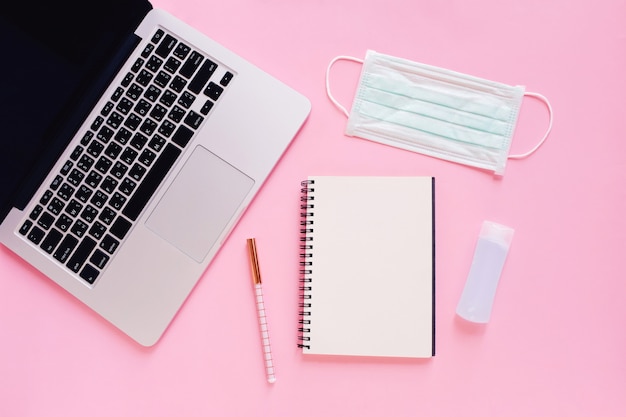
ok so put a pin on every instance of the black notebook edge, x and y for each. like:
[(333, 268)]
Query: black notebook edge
[(433, 267)]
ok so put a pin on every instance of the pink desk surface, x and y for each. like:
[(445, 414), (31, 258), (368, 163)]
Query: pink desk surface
[(556, 344)]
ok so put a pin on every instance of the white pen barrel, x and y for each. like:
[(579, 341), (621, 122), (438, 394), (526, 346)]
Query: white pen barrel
[(265, 336)]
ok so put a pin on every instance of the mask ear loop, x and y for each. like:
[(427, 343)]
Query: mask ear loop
[(328, 93), (547, 103)]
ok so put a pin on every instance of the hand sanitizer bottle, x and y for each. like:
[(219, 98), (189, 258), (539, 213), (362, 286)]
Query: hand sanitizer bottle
[(491, 250)]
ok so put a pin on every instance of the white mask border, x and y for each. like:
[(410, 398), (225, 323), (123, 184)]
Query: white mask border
[(529, 94)]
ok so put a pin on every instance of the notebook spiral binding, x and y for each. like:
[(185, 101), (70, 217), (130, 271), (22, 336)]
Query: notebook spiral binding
[(306, 261)]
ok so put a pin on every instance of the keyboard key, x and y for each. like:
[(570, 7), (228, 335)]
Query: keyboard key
[(113, 150), (99, 259), (63, 223), (137, 172), (178, 84), (36, 235), (107, 216), (99, 199), (166, 46), (104, 164), (93, 179), (97, 230), (109, 244), (56, 182), (182, 51), (193, 120), (152, 93), (191, 64), (73, 208), (202, 76), (81, 253), (65, 191), (158, 112), (143, 107), (137, 65), (83, 193), (89, 214), (133, 121), (109, 184), (171, 65), (36, 212), (147, 157), (124, 106), (158, 35), (144, 77), (128, 79), (97, 123), (89, 274), (208, 105), (167, 128), (117, 201), (213, 91), (177, 114), (186, 99), (67, 167), (134, 92), (26, 227), (151, 182), (117, 94), (182, 136), (226, 79), (105, 133), (168, 98), (123, 135), (148, 127), (76, 153), (85, 163), (51, 241), (56, 206), (157, 143), (162, 79), (128, 156), (118, 170), (127, 186), (107, 109), (120, 227), (46, 197), (95, 148), (45, 221), (75, 177), (65, 248), (154, 63), (79, 228)]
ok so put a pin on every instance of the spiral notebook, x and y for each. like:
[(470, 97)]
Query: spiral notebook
[(367, 266)]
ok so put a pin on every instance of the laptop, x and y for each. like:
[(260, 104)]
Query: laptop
[(132, 144)]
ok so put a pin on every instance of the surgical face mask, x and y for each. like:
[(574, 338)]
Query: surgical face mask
[(434, 111)]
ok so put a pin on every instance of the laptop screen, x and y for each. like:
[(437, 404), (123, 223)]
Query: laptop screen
[(58, 58)]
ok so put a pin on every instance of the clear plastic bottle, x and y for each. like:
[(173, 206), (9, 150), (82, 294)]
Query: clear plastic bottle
[(491, 251)]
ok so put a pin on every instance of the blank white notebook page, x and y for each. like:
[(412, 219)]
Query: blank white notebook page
[(371, 289)]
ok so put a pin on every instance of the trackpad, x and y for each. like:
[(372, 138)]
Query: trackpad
[(199, 203)]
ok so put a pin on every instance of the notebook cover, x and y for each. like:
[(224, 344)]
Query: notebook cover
[(368, 266)]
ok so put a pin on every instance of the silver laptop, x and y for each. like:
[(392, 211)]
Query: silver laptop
[(124, 171)]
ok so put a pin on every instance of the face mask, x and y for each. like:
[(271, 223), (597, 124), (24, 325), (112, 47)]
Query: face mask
[(434, 111)]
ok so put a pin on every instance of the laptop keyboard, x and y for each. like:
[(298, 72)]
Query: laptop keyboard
[(102, 188)]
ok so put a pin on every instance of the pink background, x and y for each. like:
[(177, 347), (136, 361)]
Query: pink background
[(556, 344)]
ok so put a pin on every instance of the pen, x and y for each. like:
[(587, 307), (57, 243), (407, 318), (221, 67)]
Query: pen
[(265, 336)]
